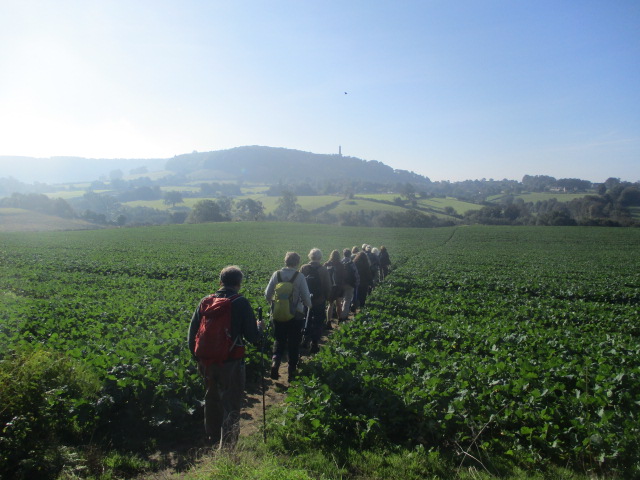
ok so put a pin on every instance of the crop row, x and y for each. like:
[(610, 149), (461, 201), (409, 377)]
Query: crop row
[(493, 343)]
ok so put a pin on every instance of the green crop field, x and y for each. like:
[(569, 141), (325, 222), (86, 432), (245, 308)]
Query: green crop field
[(494, 346)]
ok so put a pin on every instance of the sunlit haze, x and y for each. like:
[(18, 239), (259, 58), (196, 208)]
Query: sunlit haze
[(450, 90)]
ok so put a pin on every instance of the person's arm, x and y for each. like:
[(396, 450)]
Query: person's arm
[(271, 287), (248, 321), (303, 290), (193, 330)]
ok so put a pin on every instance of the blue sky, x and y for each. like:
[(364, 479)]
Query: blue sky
[(450, 90)]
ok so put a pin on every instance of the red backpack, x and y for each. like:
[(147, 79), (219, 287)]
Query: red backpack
[(214, 343)]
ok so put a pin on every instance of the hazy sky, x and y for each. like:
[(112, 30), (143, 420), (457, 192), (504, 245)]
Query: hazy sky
[(452, 90)]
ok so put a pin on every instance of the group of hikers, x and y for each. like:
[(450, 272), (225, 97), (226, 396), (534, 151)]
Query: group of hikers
[(303, 300)]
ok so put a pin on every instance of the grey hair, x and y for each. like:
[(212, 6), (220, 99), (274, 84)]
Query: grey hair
[(315, 255)]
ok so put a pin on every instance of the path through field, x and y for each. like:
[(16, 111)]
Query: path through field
[(187, 448), (252, 418)]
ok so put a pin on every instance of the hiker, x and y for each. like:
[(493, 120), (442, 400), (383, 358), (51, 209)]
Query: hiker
[(385, 262), (222, 364), (374, 264), (364, 270), (376, 272), (351, 281), (287, 332), (320, 289), (336, 275)]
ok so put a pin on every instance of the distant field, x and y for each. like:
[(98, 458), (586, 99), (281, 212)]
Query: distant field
[(181, 188), (319, 201), (248, 189), (160, 205), (359, 204), (19, 220), (387, 197), (152, 175), (436, 204), (69, 194), (540, 197), (314, 202), (441, 203)]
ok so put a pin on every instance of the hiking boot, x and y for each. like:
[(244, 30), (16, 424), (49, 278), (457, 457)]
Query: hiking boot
[(292, 375), (275, 366), (329, 326), (314, 347)]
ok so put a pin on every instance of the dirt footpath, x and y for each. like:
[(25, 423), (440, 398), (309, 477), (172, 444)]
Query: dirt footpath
[(251, 417)]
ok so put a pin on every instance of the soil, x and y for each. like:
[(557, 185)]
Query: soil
[(252, 418)]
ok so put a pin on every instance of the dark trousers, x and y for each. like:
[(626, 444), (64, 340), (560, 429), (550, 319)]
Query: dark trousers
[(222, 401), (363, 291), (287, 337), (317, 321)]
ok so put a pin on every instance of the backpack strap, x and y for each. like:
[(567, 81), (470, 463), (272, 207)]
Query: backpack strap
[(279, 277)]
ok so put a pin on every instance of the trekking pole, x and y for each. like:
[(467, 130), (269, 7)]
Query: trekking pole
[(354, 302), (264, 405), (305, 329)]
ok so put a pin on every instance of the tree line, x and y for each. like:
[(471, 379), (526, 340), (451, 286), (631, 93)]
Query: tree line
[(610, 203), (612, 206)]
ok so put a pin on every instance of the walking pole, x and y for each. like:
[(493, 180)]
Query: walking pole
[(305, 328), (264, 405)]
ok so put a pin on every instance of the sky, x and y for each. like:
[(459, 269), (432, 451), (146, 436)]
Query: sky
[(450, 90)]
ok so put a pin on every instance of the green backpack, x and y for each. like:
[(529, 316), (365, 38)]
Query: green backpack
[(283, 308)]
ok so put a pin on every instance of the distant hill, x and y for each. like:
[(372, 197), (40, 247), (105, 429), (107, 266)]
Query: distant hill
[(69, 169), (272, 165), (251, 163)]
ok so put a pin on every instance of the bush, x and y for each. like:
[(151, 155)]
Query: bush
[(46, 402)]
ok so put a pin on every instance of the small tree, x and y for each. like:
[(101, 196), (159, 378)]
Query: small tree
[(287, 204), (449, 210), (205, 211), (249, 209), (173, 197)]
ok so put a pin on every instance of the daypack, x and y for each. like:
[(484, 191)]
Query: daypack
[(214, 343), (283, 307), (314, 284), (332, 275), (350, 277)]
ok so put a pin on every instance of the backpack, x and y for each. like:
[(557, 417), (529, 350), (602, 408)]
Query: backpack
[(315, 285), (332, 275), (283, 308), (213, 340), (350, 273)]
